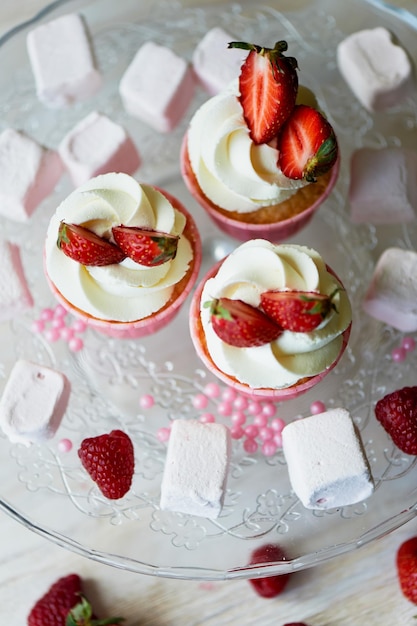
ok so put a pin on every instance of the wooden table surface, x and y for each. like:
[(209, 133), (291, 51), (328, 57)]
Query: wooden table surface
[(358, 589)]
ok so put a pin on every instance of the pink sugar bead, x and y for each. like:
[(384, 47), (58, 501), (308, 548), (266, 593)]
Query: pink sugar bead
[(269, 448), (225, 408), (278, 424), (399, 355), (66, 333), (79, 326), (269, 409), (251, 431), (317, 407), (229, 394), (408, 343), (47, 314), (236, 432), (147, 401), (38, 326), (52, 334), (266, 434), (64, 445), (260, 420), (254, 408), (212, 390), (278, 440), (238, 418), (250, 445), (75, 344), (240, 403), (58, 322), (60, 311), (207, 418), (162, 434), (200, 401)]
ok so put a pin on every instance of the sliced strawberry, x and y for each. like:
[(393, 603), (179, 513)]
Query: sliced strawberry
[(85, 247), (307, 144), (146, 246), (268, 86), (397, 413), (298, 311), (241, 325), (271, 586)]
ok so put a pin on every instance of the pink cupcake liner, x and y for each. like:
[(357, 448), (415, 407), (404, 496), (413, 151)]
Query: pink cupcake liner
[(288, 393), (243, 231)]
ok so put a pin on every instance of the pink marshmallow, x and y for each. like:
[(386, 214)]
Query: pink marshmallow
[(214, 64), (15, 296), (33, 403), (392, 294), (28, 174), (383, 185), (376, 68), (157, 87), (62, 61), (97, 145)]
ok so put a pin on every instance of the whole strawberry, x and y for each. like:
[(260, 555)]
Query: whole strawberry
[(82, 245), (64, 605), (307, 144), (241, 325), (407, 568), (297, 311), (271, 586), (268, 85), (109, 460), (397, 413)]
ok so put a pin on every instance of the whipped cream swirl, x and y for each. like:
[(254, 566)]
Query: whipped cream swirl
[(233, 172), (126, 291), (258, 266)]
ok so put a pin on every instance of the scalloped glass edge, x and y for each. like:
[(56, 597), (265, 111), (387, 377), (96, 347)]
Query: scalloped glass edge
[(208, 574)]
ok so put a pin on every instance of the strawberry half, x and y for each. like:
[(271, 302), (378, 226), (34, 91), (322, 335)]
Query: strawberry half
[(85, 247), (307, 144), (397, 413), (109, 460), (241, 325), (268, 85), (407, 568), (271, 586), (298, 311), (146, 246)]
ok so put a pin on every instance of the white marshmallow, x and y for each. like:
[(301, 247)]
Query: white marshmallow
[(214, 64), (383, 185), (196, 468), (62, 61), (33, 403), (157, 87), (326, 462), (15, 296), (377, 70), (28, 174), (392, 293), (97, 145)]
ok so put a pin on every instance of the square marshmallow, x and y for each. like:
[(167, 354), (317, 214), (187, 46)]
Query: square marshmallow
[(383, 185), (392, 293), (62, 61), (33, 403), (28, 174), (326, 462), (15, 296), (376, 68), (157, 87), (214, 64), (196, 468), (97, 145)]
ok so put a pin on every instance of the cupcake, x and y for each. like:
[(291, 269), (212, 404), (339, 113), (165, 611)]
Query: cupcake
[(121, 255), (259, 156), (270, 320)]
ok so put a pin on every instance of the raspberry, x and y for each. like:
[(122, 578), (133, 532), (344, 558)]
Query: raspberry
[(397, 413)]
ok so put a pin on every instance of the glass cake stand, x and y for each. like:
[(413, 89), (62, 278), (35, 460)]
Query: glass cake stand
[(141, 386)]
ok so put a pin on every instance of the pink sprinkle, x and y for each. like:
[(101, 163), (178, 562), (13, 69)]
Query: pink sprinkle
[(251, 431), (317, 407), (269, 448), (212, 390), (278, 424), (60, 311), (269, 409), (278, 440), (52, 334), (64, 445), (229, 394), (147, 401), (408, 343), (207, 418), (79, 326), (250, 445), (254, 408), (47, 314), (266, 434), (66, 333), (236, 432), (38, 326), (58, 322), (241, 403), (162, 434), (260, 420), (200, 401), (75, 344), (225, 408), (238, 418), (399, 355)]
